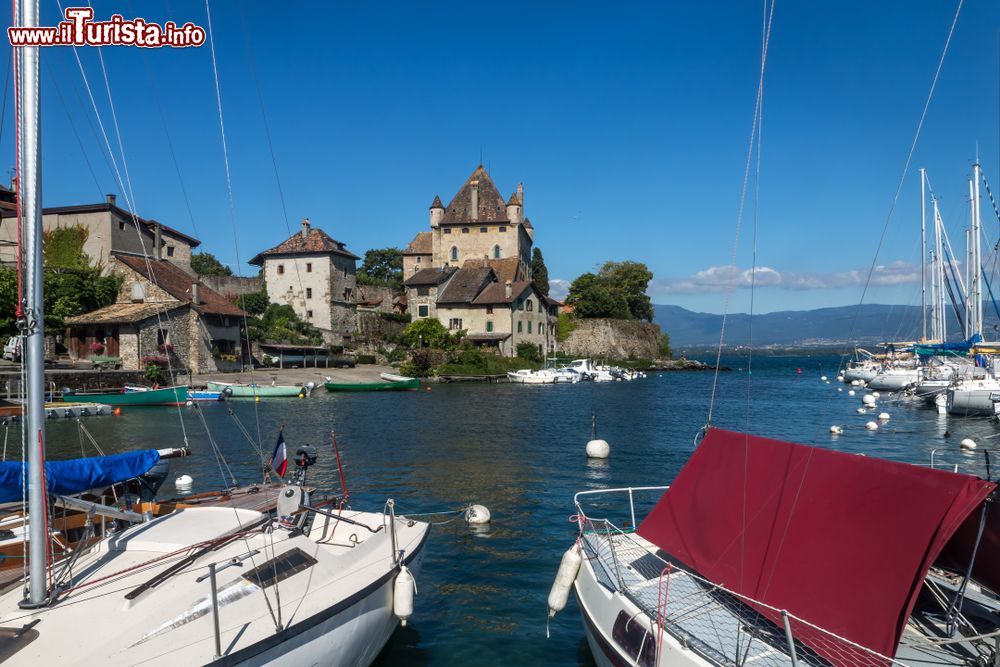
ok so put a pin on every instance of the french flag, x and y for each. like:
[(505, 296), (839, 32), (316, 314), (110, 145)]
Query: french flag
[(279, 460)]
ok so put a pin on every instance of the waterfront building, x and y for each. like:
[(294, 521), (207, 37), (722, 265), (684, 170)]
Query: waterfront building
[(162, 316), (315, 275)]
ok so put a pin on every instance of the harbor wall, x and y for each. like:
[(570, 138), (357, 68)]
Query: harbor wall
[(612, 339)]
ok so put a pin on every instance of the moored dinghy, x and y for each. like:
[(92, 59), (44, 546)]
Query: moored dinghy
[(390, 382), (241, 390), (131, 396)]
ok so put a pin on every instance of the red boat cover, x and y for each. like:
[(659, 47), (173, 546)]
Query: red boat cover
[(842, 541)]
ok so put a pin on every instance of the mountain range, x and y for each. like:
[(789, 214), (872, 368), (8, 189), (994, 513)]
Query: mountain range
[(863, 325)]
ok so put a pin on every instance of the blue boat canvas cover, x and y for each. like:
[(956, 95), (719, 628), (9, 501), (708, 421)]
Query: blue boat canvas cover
[(77, 475)]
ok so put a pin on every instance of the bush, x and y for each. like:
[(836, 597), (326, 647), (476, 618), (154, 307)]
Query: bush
[(419, 365), (336, 349), (152, 373), (427, 333), (565, 326), (404, 318), (366, 359), (395, 355), (664, 347), (529, 352)]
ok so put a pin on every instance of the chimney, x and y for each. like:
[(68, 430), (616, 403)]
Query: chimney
[(474, 208), (110, 199), (305, 228), (159, 239), (507, 289), (194, 294), (520, 195)]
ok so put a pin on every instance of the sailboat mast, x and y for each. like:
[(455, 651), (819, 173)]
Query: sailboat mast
[(923, 255), (30, 196), (977, 266)]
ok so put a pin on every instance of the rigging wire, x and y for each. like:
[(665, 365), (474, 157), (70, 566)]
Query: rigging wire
[(72, 126)]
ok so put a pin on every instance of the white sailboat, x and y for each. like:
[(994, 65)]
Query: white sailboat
[(207, 585)]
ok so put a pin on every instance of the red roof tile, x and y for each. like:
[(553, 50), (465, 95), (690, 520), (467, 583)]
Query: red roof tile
[(316, 241), (422, 244), (177, 283)]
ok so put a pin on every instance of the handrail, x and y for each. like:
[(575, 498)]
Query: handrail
[(626, 489)]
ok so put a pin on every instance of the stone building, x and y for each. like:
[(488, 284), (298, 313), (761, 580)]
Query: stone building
[(112, 230), (472, 272), (164, 316), (316, 276)]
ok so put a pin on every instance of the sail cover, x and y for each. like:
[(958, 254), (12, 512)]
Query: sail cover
[(842, 541), (78, 475)]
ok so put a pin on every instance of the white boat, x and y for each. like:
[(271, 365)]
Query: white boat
[(894, 379), (526, 376), (588, 371), (206, 585), (974, 397), (392, 377)]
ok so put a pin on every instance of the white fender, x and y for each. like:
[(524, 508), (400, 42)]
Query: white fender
[(403, 591), (569, 567)]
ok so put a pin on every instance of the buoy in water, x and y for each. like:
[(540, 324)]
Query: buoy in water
[(184, 483), (855, 383), (861, 411), (569, 567), (836, 430), (822, 378), (883, 416), (871, 426), (402, 595), (598, 449), (118, 412), (477, 515), (967, 443), (875, 394), (851, 392), (868, 400), (840, 378), (840, 389)]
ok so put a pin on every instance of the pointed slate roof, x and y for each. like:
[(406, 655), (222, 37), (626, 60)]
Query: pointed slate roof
[(491, 203), (422, 244), (514, 199), (437, 202), (316, 241), (527, 224)]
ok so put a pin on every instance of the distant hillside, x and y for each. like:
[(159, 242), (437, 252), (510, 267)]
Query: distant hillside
[(824, 326)]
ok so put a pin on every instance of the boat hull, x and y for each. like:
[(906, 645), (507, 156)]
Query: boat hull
[(165, 396), (893, 381), (408, 385), (253, 391), (972, 402)]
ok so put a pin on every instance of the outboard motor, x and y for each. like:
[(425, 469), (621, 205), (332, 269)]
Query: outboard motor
[(305, 456)]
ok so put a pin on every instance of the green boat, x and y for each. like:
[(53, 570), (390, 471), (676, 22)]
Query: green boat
[(237, 390), (390, 383), (132, 396)]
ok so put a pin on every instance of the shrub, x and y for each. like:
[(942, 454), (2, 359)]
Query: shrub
[(427, 333), (404, 318), (664, 347), (152, 373), (529, 352), (419, 365), (366, 359), (565, 326)]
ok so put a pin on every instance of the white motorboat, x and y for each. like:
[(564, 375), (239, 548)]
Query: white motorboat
[(527, 376), (894, 379), (973, 397)]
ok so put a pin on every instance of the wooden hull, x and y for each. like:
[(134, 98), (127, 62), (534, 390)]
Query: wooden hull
[(165, 396), (408, 385)]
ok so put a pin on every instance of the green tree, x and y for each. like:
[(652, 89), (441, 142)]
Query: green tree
[(382, 266), (632, 278), (617, 291), (539, 274), (207, 264), (428, 332), (254, 303), (529, 352), (664, 347)]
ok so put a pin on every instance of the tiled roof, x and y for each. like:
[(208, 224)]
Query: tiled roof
[(316, 241), (527, 224), (497, 293), (491, 204), (108, 206), (508, 268), (514, 199), (437, 202), (466, 284), (422, 244), (122, 313), (426, 277), (177, 283)]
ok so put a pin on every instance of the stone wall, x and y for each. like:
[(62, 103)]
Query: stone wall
[(368, 293), (76, 380), (373, 327), (232, 286), (612, 339)]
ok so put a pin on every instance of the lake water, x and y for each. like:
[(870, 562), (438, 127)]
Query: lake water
[(519, 450)]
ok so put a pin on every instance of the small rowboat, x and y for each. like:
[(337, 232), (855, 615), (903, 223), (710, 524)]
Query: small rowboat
[(132, 396), (237, 390), (390, 383), (205, 396)]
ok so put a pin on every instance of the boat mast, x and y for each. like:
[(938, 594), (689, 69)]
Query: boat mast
[(33, 326), (923, 256), (977, 265)]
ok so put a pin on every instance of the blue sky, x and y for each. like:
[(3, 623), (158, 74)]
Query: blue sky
[(627, 123)]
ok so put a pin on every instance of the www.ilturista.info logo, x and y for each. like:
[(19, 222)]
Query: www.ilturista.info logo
[(79, 29)]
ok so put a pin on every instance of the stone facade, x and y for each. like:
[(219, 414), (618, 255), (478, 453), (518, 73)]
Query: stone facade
[(613, 339), (317, 277), (111, 230), (232, 287)]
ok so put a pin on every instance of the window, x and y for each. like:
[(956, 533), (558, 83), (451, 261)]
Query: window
[(634, 639), (282, 567), (162, 337), (423, 291), (489, 310), (518, 327), (309, 267), (530, 305), (454, 253), (465, 230), (520, 305), (503, 229), (447, 230), (418, 259), (455, 323), (483, 230), (281, 269), (309, 292), (496, 252), (309, 314), (489, 326), (170, 251), (421, 311), (529, 326), (121, 225), (348, 294), (541, 327)]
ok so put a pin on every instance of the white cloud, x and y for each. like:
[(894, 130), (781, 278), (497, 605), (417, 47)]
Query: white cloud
[(718, 278), (558, 288)]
